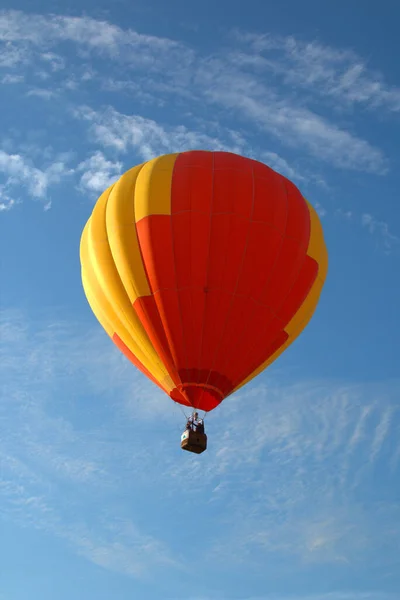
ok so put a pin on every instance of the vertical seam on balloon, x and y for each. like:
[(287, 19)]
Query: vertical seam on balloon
[(230, 215), (191, 287), (285, 298), (246, 324), (176, 287), (207, 272), (236, 285)]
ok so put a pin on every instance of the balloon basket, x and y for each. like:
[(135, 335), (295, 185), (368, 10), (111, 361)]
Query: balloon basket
[(192, 441)]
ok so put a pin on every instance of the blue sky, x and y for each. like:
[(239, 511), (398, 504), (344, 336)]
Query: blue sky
[(298, 495)]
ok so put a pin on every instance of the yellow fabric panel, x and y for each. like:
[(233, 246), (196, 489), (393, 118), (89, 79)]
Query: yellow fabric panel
[(90, 287), (316, 247), (96, 297), (122, 235), (316, 250), (153, 187), (107, 297)]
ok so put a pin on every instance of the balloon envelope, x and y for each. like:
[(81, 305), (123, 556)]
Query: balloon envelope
[(203, 267)]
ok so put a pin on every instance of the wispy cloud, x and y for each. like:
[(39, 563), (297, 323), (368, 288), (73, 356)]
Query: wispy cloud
[(315, 442), (244, 84), (381, 432), (45, 459), (328, 71), (11, 79), (35, 32), (121, 132), (283, 474), (385, 239), (380, 228), (294, 125), (19, 173), (113, 544), (42, 93), (7, 202), (359, 429), (98, 173), (11, 56), (338, 74)]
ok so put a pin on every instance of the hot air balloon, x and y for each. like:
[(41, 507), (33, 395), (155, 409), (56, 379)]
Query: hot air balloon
[(203, 267)]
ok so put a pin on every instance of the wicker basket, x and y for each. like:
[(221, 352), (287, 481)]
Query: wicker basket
[(192, 441)]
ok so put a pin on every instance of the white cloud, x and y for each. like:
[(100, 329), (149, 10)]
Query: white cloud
[(56, 62), (381, 432), (11, 79), (294, 126), (121, 132), (359, 430), (334, 73), (7, 202), (386, 240), (322, 212), (35, 31), (344, 214), (12, 56), (325, 70), (120, 547), (42, 93), (282, 166), (20, 173), (149, 139), (380, 228), (98, 173)]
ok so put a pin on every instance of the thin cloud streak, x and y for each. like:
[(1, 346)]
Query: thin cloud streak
[(293, 126), (332, 73), (380, 228), (386, 240), (36, 32)]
